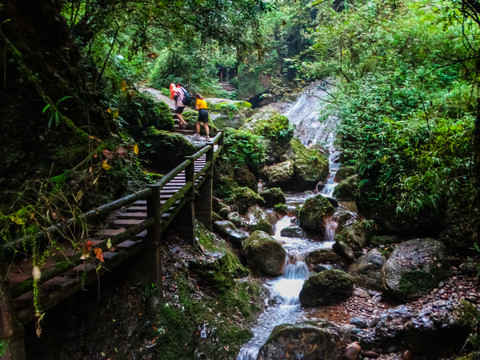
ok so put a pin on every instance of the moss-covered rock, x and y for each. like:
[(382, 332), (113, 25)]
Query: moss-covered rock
[(346, 189), (414, 268), (245, 197), (157, 143), (353, 238), (313, 213), (273, 196), (344, 172), (310, 165), (142, 112), (263, 253), (280, 174)]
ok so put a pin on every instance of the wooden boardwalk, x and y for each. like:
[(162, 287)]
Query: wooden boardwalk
[(136, 223)]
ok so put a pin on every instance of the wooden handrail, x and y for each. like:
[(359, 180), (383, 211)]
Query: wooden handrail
[(103, 210)]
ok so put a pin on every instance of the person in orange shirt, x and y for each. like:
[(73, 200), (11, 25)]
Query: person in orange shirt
[(201, 106)]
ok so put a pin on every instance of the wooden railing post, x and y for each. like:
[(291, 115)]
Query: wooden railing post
[(184, 223), (203, 203), (154, 238)]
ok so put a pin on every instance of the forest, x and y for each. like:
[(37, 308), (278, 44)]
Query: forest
[(78, 130)]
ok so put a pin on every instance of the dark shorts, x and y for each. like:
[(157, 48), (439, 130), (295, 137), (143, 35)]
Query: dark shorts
[(203, 115), (179, 109)]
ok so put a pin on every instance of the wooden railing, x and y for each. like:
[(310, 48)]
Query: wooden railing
[(162, 202)]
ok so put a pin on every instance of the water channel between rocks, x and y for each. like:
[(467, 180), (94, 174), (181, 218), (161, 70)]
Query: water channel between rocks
[(284, 290)]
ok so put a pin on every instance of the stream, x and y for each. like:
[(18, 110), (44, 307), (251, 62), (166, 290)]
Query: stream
[(284, 290)]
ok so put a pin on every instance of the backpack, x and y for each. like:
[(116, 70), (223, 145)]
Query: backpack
[(187, 98)]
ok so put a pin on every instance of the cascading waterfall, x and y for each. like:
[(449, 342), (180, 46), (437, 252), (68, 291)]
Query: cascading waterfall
[(284, 290)]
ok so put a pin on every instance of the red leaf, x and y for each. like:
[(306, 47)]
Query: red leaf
[(99, 254)]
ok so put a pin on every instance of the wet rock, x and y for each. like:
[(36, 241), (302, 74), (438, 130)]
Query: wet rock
[(344, 217), (314, 212), (367, 269), (360, 322), (263, 253), (259, 219), (322, 256), (322, 341), (414, 268), (327, 287), (229, 230), (236, 219), (353, 350), (293, 231)]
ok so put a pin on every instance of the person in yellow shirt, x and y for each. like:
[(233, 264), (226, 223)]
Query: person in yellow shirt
[(201, 106)]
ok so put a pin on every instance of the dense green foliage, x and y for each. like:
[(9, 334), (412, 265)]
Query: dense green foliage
[(405, 98), (243, 148)]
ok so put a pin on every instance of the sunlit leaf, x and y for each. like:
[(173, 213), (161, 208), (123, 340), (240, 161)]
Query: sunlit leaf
[(79, 195), (124, 85), (17, 220), (135, 149), (105, 165), (109, 243)]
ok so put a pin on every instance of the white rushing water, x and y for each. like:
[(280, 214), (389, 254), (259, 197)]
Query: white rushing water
[(284, 290)]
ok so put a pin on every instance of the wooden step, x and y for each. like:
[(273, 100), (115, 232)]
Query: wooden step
[(132, 215), (120, 223)]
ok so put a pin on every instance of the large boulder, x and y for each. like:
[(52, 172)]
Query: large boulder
[(263, 253), (303, 341), (279, 174), (414, 268), (429, 330), (313, 213), (326, 288), (367, 269), (346, 189), (276, 132)]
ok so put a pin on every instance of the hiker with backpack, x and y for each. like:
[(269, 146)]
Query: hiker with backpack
[(182, 98), (201, 106)]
